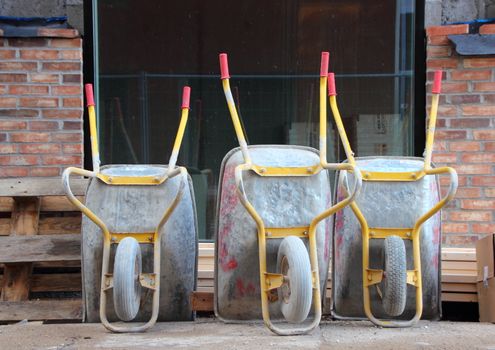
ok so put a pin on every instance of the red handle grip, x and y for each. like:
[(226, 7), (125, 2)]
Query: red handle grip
[(437, 82), (224, 66), (324, 64), (332, 91), (186, 96), (90, 101)]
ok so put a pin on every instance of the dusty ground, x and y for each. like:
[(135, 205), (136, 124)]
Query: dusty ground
[(212, 334)]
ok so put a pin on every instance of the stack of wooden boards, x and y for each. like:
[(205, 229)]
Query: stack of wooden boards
[(40, 271)]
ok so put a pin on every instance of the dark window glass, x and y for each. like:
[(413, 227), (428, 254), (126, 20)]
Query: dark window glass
[(148, 49)]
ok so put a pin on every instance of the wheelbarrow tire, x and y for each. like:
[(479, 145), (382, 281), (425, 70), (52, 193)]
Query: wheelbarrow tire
[(395, 280), (126, 285), (296, 295)]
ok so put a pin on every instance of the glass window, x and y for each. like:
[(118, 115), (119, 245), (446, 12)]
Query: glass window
[(148, 49)]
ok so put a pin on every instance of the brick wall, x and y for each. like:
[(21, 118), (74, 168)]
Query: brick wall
[(40, 103), (465, 136)]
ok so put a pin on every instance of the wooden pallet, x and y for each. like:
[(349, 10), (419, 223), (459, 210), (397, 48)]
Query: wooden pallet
[(39, 250)]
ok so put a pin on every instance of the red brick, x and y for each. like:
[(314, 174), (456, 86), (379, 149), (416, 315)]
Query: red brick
[(76, 148), (454, 87), (440, 146), (13, 171), (28, 42), (43, 125), (18, 66), (451, 227), (39, 54), (438, 51), (13, 78), (489, 192), (8, 148), (28, 90), (438, 40), (44, 171), (478, 158), (483, 204), (40, 102), (63, 113), (62, 66), (3, 137), (12, 125), (445, 180), (71, 54), (72, 102), (62, 160), (478, 169), (484, 87), (67, 137), (72, 78), (58, 33), (441, 63), (489, 146), (483, 180), (441, 123), (67, 90), (484, 134), (466, 215), (3, 89), (19, 113), (468, 192), (447, 29), (30, 137), (471, 75), (447, 111), (489, 98), (479, 62), (461, 241), (37, 148), (7, 54), (72, 126), (451, 134), (470, 123), (66, 42), (483, 228), (444, 157), (8, 102), (487, 29), (44, 78), (462, 99), (19, 160)]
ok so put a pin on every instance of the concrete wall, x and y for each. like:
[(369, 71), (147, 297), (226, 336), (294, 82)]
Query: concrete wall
[(439, 12), (73, 9)]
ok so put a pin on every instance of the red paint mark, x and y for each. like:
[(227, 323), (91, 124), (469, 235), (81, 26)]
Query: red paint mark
[(434, 260), (250, 289), (239, 285), (232, 264)]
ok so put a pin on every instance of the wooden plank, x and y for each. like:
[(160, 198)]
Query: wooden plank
[(6, 204), (459, 265), (459, 278), (58, 203), (40, 248), (458, 254), (57, 264), (28, 186), (5, 226), (460, 297), (57, 282), (25, 217), (202, 301), (60, 225), (459, 287), (41, 310)]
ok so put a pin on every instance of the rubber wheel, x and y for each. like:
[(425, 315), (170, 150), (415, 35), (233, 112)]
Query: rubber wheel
[(295, 294), (126, 285), (394, 285)]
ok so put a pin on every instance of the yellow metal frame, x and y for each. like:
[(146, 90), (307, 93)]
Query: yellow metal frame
[(270, 281), (147, 280), (373, 276)]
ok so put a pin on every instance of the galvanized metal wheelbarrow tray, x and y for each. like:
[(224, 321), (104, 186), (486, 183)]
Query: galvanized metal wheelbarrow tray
[(386, 264), (274, 205), (150, 208)]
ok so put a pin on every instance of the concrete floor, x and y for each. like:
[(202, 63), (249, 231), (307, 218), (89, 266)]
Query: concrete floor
[(207, 333)]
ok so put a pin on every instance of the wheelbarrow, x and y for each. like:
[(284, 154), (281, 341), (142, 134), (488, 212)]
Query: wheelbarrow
[(273, 230), (143, 218), (387, 243)]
